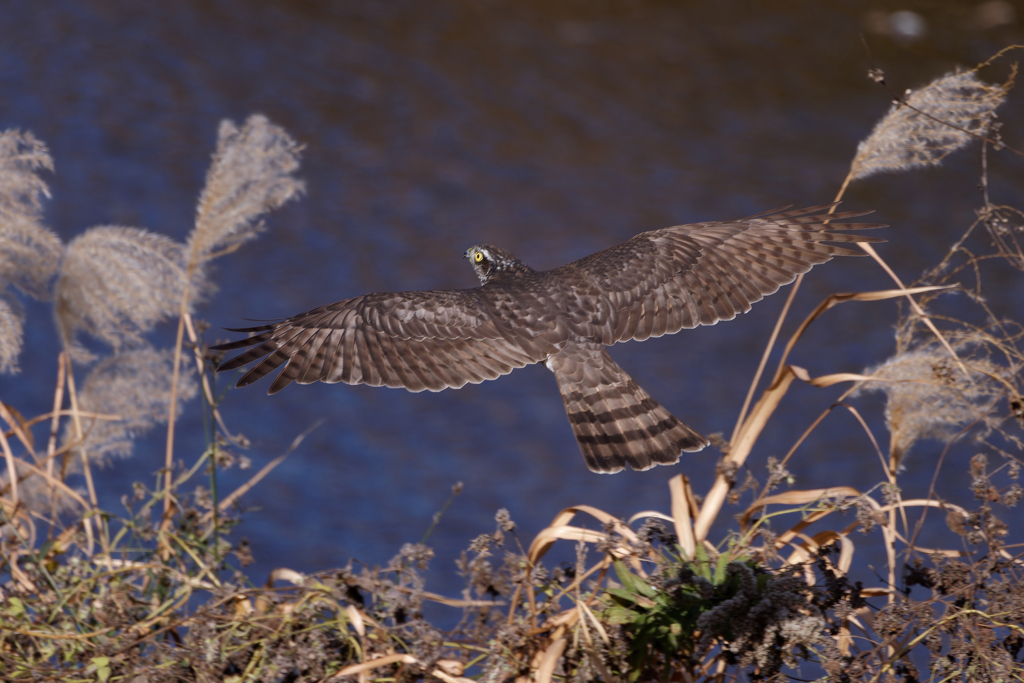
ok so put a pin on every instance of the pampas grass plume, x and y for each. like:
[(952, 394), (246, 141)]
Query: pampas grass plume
[(251, 174), (29, 253), (11, 334), (942, 117), (928, 397), (134, 385), (116, 283)]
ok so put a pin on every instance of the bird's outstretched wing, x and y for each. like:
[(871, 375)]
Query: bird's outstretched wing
[(662, 281), (416, 340)]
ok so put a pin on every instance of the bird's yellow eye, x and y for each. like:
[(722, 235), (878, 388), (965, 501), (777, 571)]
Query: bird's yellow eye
[(478, 257)]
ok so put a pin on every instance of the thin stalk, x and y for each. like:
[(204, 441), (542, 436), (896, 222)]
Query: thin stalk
[(51, 445), (764, 357), (172, 409), (210, 419), (775, 332), (211, 397), (79, 437), (12, 469), (869, 250), (211, 437), (58, 401), (437, 516), (76, 420)]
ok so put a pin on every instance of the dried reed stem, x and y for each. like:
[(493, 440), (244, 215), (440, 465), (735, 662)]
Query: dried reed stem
[(12, 470), (764, 356), (251, 174), (57, 484), (205, 380), (8, 454), (79, 434), (890, 474), (869, 250), (43, 417), (748, 434), (739, 450), (17, 430), (679, 487), (775, 332), (172, 409), (58, 401)]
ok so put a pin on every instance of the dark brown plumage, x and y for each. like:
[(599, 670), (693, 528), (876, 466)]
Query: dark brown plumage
[(656, 283)]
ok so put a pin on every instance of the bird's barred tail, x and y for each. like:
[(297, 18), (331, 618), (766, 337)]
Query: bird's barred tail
[(616, 423)]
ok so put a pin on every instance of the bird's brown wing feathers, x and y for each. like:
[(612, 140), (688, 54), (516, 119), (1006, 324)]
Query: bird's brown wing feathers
[(662, 281), (417, 340)]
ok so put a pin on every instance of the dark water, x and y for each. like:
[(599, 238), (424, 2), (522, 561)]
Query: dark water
[(551, 129)]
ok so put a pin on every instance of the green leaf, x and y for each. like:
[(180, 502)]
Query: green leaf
[(619, 615), (102, 665), (17, 607), (633, 582), (625, 578), (701, 563), (623, 596), (723, 562)]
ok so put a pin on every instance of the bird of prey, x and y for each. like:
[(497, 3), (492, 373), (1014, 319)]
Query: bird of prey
[(656, 283)]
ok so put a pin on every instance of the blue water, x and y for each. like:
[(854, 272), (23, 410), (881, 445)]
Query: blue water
[(552, 131)]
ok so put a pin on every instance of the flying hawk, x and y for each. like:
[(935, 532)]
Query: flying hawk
[(656, 283)]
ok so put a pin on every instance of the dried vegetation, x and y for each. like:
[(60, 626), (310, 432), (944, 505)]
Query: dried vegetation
[(157, 592)]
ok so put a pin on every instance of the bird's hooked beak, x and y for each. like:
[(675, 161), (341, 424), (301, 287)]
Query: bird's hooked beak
[(466, 254)]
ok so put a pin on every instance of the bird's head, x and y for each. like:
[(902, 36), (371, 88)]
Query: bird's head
[(491, 262)]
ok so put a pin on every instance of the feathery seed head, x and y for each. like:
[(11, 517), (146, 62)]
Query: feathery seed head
[(21, 156), (29, 254), (11, 333), (136, 387), (116, 283), (28, 251), (941, 118), (930, 397), (251, 173)]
